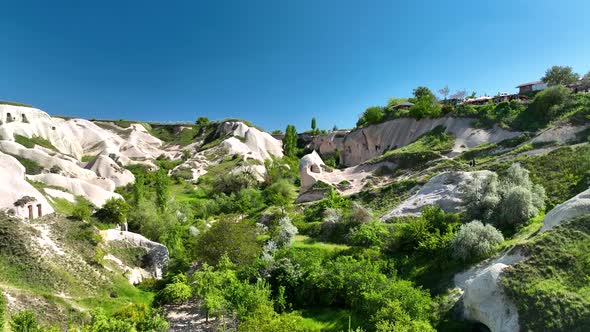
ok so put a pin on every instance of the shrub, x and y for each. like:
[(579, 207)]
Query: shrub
[(475, 240), (114, 211), (550, 102), (280, 193), (368, 235), (24, 321), (176, 292), (286, 233), (81, 210), (372, 115)]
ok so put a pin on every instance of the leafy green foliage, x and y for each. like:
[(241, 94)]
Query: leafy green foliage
[(425, 104), (290, 141), (372, 115), (177, 291), (237, 240), (475, 240), (553, 280), (24, 321), (202, 121), (281, 193), (560, 75), (114, 211)]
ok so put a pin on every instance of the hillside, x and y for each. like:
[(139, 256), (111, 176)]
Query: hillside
[(466, 220)]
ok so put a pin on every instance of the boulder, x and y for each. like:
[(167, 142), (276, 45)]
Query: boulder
[(13, 187), (310, 169), (157, 256), (574, 207), (484, 301), (442, 190)]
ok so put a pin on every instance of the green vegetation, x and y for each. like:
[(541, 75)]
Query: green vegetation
[(2, 310), (560, 75), (554, 280), (31, 166), (35, 140), (475, 240), (290, 141)]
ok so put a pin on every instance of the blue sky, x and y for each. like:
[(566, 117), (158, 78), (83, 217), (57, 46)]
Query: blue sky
[(275, 62)]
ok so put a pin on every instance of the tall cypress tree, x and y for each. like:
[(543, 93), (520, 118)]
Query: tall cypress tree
[(290, 141)]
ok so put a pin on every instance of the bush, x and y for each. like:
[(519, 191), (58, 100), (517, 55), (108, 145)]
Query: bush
[(475, 240), (81, 210), (24, 321), (286, 233), (372, 115), (549, 103), (114, 211), (368, 235), (176, 292)]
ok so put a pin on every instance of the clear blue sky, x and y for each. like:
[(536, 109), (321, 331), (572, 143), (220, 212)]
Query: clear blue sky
[(275, 62)]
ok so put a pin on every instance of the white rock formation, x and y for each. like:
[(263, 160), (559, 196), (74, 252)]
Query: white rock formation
[(54, 193), (559, 134), (484, 301), (121, 144), (329, 143), (311, 167), (29, 122), (255, 144), (442, 190), (157, 254), (94, 191), (104, 166), (576, 206), (363, 144), (13, 186)]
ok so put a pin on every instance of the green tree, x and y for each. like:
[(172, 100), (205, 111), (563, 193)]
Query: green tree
[(560, 75), (281, 193), (237, 240), (139, 188), (313, 124), (177, 291), (475, 240), (372, 115), (114, 211), (202, 121), (549, 103), (290, 141), (81, 210), (210, 286), (425, 104), (162, 185)]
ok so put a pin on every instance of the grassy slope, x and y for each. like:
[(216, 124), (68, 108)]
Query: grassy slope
[(61, 288), (552, 288)]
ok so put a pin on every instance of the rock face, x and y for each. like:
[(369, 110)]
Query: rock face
[(329, 143), (104, 166), (29, 122), (484, 301), (13, 187), (157, 256), (442, 190), (574, 207), (94, 191), (363, 144), (121, 144), (254, 143), (310, 169)]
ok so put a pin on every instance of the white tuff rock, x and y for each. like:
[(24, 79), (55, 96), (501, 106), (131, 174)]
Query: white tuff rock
[(13, 187), (576, 206), (442, 190)]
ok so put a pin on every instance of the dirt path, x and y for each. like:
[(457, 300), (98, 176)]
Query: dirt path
[(189, 317)]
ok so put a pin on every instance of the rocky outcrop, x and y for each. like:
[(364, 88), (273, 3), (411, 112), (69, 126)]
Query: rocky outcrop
[(157, 255), (442, 190), (365, 143), (483, 297), (252, 143), (29, 122), (104, 166), (329, 143), (484, 301), (13, 187), (574, 207), (96, 191), (123, 145), (311, 167)]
